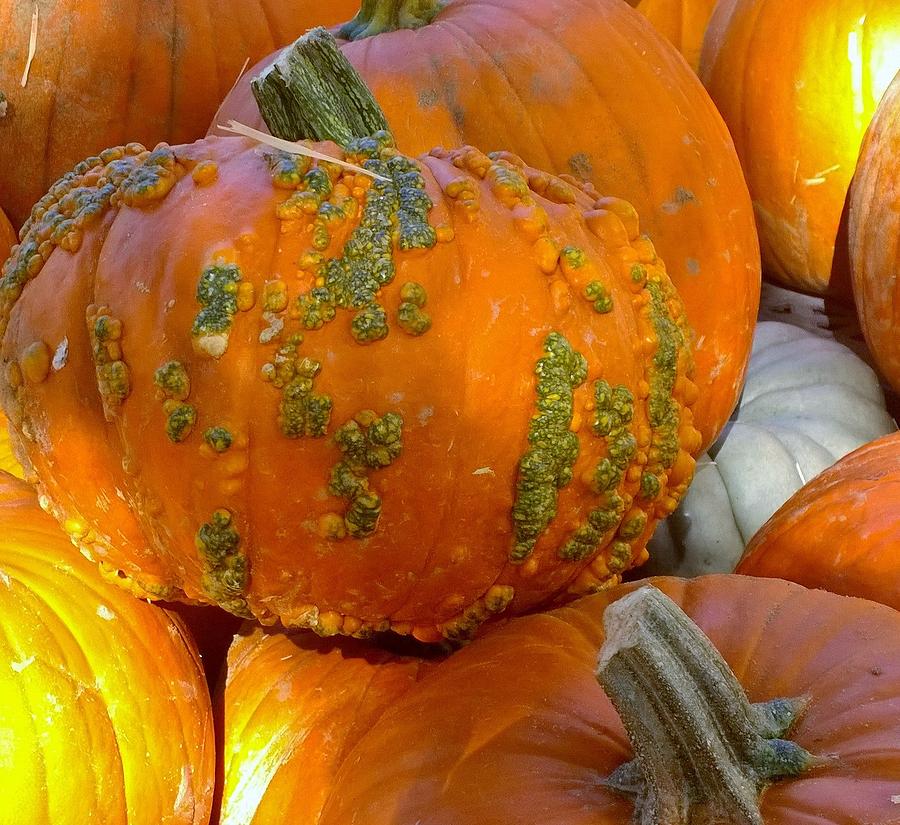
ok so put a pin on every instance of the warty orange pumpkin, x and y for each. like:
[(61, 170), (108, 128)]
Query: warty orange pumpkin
[(584, 88), (840, 531), (515, 728), (875, 234), (104, 73), (408, 402), (797, 85), (105, 713)]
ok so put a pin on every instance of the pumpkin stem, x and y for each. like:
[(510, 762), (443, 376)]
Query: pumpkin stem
[(311, 92), (703, 753), (379, 16)]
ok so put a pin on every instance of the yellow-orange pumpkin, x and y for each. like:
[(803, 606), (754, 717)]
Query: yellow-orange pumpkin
[(343, 403), (682, 22), (104, 713), (104, 73), (585, 88), (797, 84), (875, 235)]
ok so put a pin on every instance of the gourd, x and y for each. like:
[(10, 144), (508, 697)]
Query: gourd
[(875, 234), (584, 88), (105, 713), (515, 727), (682, 22), (807, 402), (410, 402), (797, 85), (840, 531), (103, 74)]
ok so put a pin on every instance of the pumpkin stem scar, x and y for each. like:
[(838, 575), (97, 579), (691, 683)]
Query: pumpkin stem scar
[(659, 670), (312, 92), (379, 16)]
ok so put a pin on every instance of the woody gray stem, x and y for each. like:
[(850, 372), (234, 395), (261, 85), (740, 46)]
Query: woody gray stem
[(312, 92), (703, 752), (379, 16)]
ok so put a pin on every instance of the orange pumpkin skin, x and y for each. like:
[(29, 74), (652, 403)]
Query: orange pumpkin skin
[(102, 694), (521, 702), (7, 235), (840, 532), (797, 110), (682, 22), (103, 74), (272, 523), (587, 89), (338, 690), (875, 234)]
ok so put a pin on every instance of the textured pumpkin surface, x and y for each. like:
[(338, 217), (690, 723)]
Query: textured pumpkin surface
[(682, 22), (502, 423), (292, 709), (875, 234), (104, 714), (514, 727), (798, 107), (587, 89), (807, 402), (840, 532), (104, 73)]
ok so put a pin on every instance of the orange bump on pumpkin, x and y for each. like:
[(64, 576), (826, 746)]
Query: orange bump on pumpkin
[(400, 365), (106, 715)]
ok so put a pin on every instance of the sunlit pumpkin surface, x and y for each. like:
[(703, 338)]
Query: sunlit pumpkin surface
[(104, 714), (797, 85), (304, 394)]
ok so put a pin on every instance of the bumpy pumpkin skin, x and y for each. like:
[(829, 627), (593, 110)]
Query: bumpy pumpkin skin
[(299, 494), (797, 87), (875, 234), (514, 728), (682, 22), (102, 695), (588, 89), (840, 532), (105, 73)]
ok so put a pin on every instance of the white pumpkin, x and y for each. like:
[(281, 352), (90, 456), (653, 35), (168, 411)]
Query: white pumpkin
[(807, 401)]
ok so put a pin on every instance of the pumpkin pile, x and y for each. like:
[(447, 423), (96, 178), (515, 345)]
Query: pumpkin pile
[(353, 397)]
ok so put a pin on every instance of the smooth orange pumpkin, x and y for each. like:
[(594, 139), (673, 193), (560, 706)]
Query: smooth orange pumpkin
[(515, 728), (586, 89), (104, 73), (797, 85), (7, 235), (682, 22), (875, 235), (325, 695), (840, 532), (343, 403), (105, 713)]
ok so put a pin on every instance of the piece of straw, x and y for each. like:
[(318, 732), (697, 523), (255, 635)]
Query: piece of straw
[(292, 148), (32, 45)]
